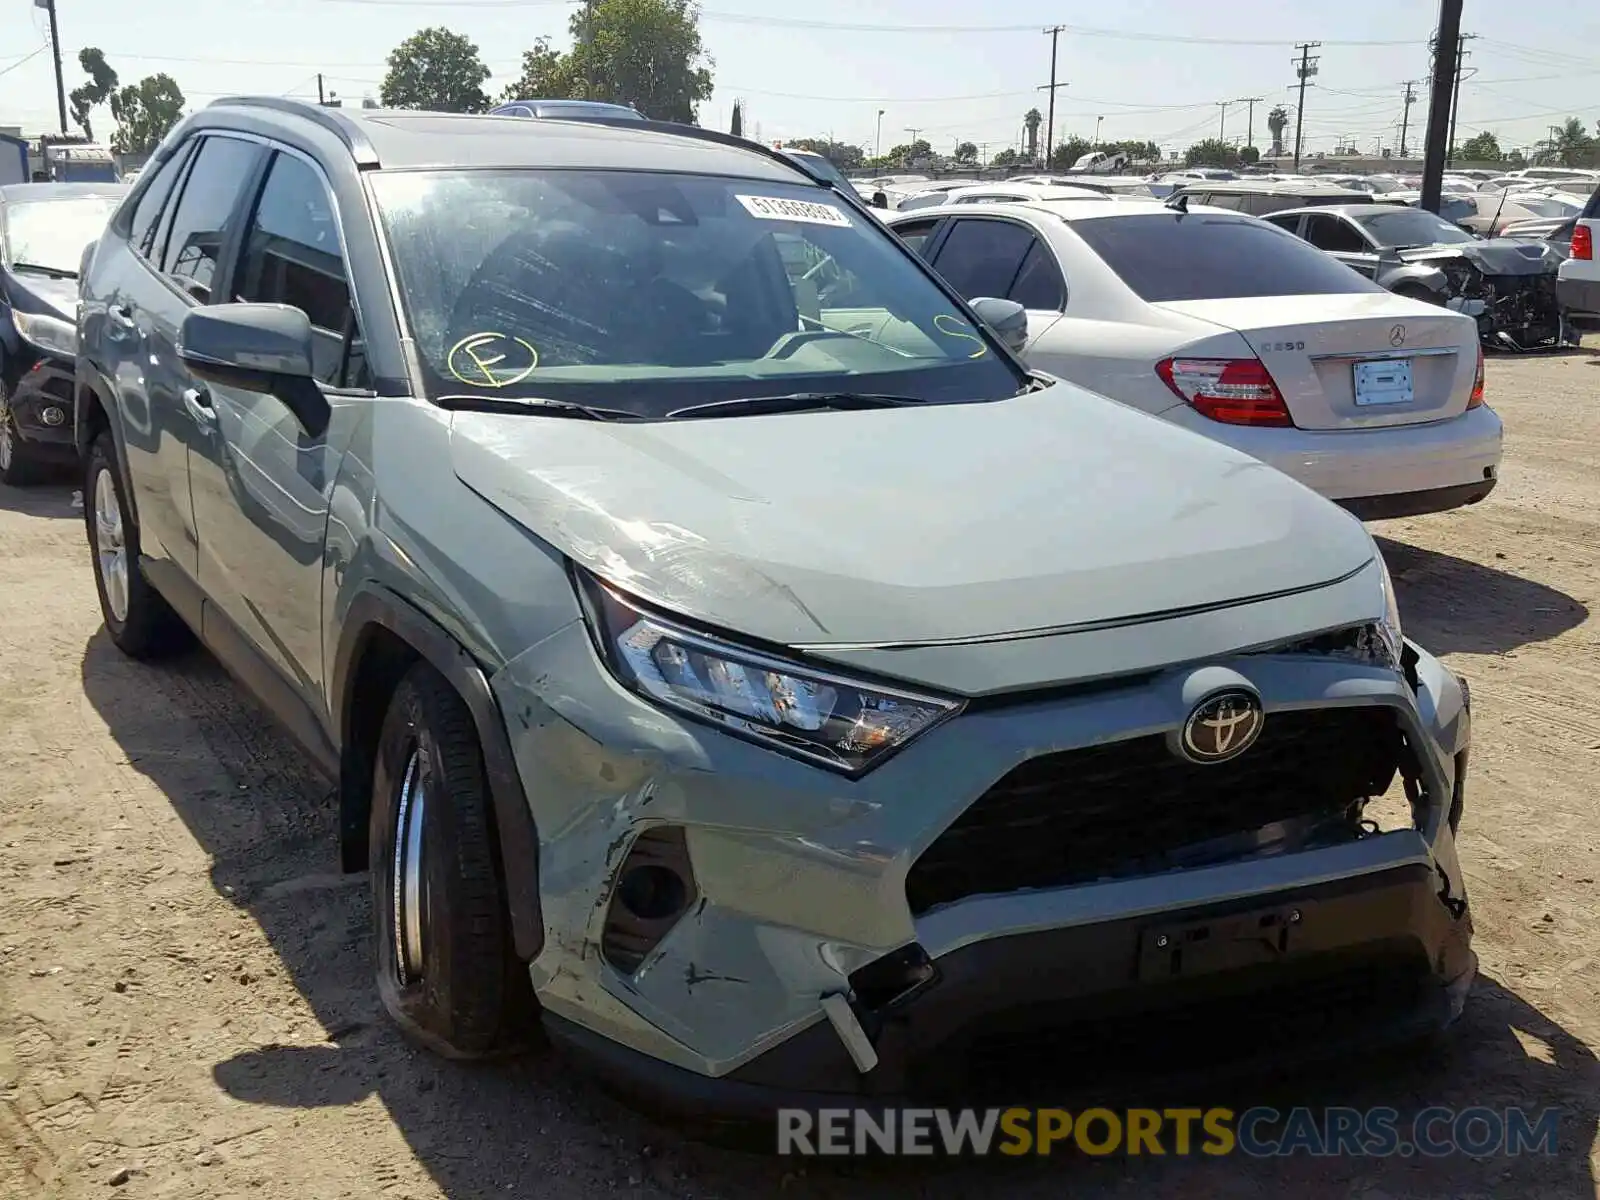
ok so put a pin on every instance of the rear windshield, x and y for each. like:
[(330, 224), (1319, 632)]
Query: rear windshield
[(1211, 256), (650, 292)]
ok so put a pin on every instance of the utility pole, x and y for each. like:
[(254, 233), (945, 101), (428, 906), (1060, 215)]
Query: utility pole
[(1455, 99), (1050, 122), (1222, 122), (1446, 42), (1306, 67), (1250, 119), (1410, 98), (913, 143), (321, 99), (877, 141), (49, 6)]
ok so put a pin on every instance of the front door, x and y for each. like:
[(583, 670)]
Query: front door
[(260, 482)]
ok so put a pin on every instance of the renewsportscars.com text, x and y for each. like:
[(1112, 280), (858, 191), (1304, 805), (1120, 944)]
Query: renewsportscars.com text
[(1257, 1132)]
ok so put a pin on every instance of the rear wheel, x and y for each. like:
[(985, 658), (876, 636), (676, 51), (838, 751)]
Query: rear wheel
[(17, 465), (446, 970), (138, 618)]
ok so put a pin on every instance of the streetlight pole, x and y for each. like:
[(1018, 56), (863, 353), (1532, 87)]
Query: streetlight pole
[(1097, 122), (1447, 41), (877, 140), (49, 7)]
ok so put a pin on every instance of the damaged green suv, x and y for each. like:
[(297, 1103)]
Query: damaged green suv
[(727, 651)]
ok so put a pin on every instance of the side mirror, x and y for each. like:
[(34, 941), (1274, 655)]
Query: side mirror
[(1007, 319), (880, 200), (257, 348)]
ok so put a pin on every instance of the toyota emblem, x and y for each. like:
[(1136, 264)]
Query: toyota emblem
[(1222, 727), (1397, 336)]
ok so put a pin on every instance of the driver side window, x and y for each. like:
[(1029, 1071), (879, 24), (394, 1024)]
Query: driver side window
[(1334, 234)]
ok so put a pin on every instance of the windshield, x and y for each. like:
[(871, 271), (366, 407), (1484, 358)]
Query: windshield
[(55, 233), (1407, 227), (650, 292), (1204, 256)]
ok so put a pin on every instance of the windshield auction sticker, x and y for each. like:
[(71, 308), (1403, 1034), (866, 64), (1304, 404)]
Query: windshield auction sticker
[(807, 212)]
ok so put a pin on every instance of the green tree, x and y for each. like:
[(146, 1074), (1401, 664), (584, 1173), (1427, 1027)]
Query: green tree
[(737, 128), (102, 83), (145, 113), (1250, 154), (906, 153), (1031, 121), (436, 69), (1213, 152), (967, 152), (547, 74), (1483, 148), (1572, 145), (1004, 158), (1277, 122), (646, 53)]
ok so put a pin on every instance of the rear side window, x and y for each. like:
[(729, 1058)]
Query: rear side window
[(141, 230), (915, 234), (982, 258), (1206, 256), (199, 225), (1039, 284), (1328, 232)]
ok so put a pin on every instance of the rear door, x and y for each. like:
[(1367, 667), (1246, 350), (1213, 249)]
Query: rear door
[(1003, 258)]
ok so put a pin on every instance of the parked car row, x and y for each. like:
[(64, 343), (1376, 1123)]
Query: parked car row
[(732, 655)]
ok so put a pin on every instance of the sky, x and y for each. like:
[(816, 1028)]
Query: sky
[(950, 69)]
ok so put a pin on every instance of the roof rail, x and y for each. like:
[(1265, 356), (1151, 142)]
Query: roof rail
[(331, 119), (700, 134)]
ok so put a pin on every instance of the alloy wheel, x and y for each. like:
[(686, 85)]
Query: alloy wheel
[(409, 899), (110, 547)]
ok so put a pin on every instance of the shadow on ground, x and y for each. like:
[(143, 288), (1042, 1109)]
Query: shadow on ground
[(1455, 606), (42, 500), (531, 1126)]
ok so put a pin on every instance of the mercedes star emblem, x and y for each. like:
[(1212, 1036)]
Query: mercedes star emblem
[(1397, 336), (1222, 727)]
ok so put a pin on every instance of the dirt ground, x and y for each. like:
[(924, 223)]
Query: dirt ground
[(185, 1002)]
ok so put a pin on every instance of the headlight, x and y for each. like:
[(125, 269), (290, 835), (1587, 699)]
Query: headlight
[(47, 333), (811, 714), (1389, 626)]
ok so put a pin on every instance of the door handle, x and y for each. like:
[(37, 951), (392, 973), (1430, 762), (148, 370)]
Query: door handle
[(198, 402)]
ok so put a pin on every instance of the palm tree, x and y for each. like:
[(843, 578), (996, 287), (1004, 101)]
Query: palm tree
[(1032, 121), (1277, 122), (1572, 143)]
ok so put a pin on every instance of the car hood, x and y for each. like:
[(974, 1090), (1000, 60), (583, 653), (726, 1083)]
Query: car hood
[(58, 296), (1044, 512), (1492, 256)]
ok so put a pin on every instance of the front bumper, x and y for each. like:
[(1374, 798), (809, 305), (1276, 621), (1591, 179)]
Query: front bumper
[(41, 406), (800, 887)]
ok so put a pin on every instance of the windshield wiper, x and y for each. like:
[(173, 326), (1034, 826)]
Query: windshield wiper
[(793, 402), (53, 272), (533, 404)]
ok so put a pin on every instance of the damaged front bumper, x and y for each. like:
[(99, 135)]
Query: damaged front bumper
[(729, 930), (1514, 312)]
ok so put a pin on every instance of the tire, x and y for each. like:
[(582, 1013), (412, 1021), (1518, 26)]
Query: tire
[(446, 970), (17, 467), (140, 621)]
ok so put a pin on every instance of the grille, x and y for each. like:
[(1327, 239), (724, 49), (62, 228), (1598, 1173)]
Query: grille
[(1134, 808)]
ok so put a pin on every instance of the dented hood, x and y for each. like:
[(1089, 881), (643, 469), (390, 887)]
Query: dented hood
[(1494, 256), (910, 525)]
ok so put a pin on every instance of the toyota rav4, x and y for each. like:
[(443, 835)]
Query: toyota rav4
[(727, 651)]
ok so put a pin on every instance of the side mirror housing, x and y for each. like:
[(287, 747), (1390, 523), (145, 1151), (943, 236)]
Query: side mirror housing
[(1007, 319), (880, 200), (263, 348)]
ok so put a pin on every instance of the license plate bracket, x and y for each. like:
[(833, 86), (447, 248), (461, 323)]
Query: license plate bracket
[(1383, 381), (1208, 945)]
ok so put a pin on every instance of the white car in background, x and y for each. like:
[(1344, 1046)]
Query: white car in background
[(1229, 326)]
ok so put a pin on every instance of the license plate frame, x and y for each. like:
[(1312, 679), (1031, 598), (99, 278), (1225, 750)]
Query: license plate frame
[(1211, 945), (1383, 382)]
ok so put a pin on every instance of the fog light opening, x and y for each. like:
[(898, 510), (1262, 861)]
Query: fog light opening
[(53, 416), (652, 893)]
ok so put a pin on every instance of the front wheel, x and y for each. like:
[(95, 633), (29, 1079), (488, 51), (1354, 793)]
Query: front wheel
[(17, 466), (139, 620), (446, 970)]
